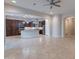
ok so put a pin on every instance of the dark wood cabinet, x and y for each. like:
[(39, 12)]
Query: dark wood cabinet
[(8, 27), (11, 27), (42, 24)]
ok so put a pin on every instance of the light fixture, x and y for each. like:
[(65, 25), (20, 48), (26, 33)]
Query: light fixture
[(13, 1)]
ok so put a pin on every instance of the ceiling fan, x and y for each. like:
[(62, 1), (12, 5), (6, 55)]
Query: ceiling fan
[(51, 3)]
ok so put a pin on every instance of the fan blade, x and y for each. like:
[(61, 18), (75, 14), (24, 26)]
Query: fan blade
[(47, 0), (46, 4), (57, 1), (57, 5), (51, 7), (34, 3)]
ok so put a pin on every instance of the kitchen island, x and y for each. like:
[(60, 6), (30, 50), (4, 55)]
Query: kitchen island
[(30, 32)]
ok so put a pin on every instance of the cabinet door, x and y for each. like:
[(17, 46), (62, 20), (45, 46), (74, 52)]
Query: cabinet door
[(11, 27), (17, 32), (8, 28)]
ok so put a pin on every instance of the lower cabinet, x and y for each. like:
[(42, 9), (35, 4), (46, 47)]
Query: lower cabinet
[(11, 27)]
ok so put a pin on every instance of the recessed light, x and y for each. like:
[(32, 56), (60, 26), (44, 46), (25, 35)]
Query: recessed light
[(13, 1)]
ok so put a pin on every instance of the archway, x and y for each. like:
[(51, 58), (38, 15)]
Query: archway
[(69, 26)]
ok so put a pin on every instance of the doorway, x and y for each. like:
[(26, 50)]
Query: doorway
[(69, 27)]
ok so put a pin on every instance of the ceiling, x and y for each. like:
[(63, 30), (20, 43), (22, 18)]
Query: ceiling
[(67, 6)]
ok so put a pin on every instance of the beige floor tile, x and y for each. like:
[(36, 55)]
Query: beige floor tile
[(41, 47)]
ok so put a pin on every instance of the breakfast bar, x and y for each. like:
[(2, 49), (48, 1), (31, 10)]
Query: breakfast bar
[(30, 32)]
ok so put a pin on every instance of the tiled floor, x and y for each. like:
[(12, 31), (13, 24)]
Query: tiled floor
[(41, 47)]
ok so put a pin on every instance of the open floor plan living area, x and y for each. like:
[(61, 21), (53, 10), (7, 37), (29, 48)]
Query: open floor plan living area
[(39, 29)]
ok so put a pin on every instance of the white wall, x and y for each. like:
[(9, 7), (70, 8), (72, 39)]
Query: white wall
[(4, 25), (47, 26), (56, 26)]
